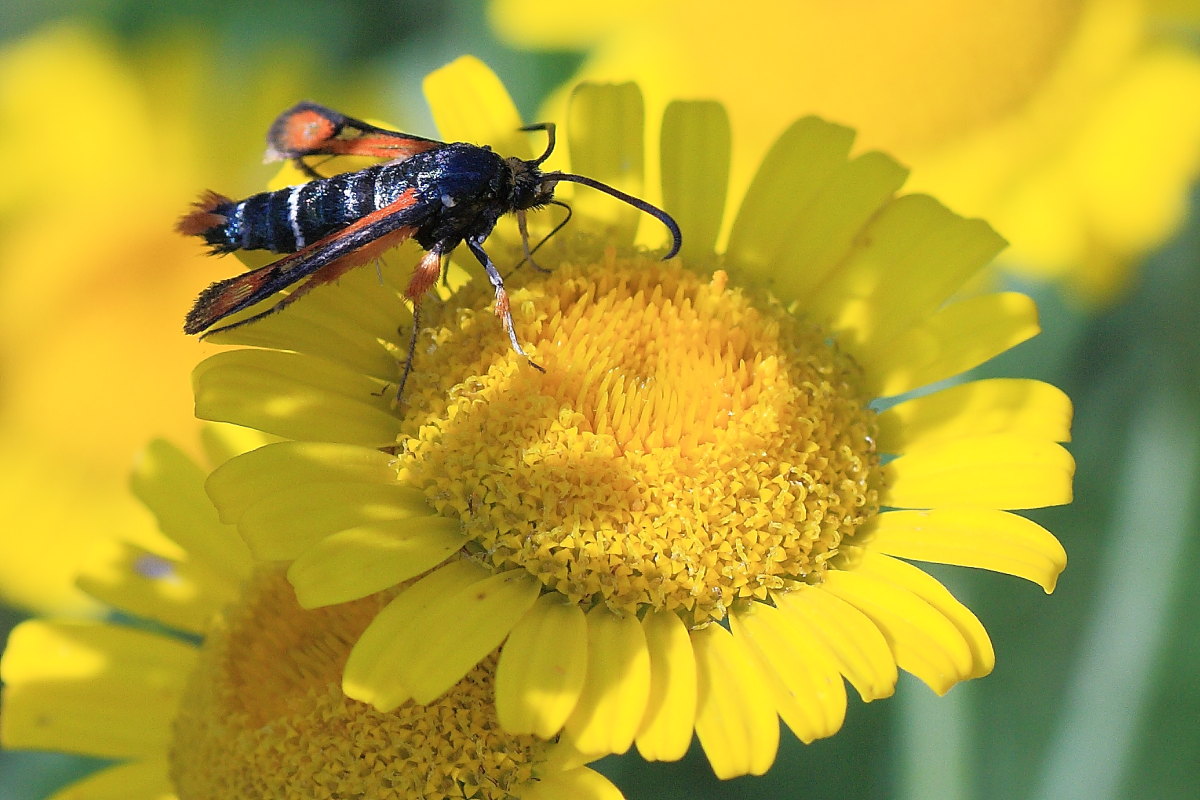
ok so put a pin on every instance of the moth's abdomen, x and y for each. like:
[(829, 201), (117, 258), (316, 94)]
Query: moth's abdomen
[(290, 219)]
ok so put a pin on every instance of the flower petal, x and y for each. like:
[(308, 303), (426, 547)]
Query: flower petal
[(446, 642), (532, 24), (240, 482), (370, 675), (798, 166), (286, 523), (435, 632), (365, 559), (666, 729), (579, 783), (833, 221), (996, 405), (180, 594), (991, 471), (606, 130), (137, 780), (1136, 159), (294, 395), (96, 689), (853, 639), (907, 577), (695, 171), (223, 442), (909, 260), (923, 641), (171, 485), (538, 686), (470, 104), (736, 721), (952, 340), (615, 693), (983, 538), (808, 689)]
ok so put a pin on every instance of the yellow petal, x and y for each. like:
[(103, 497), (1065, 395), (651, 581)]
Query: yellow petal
[(449, 633), (617, 685), (992, 471), (371, 673), (365, 559), (537, 685), (807, 686), (470, 104), (239, 483), (861, 651), (295, 396), (138, 780), (538, 23), (666, 729), (695, 171), (983, 538), (735, 718), (606, 130), (223, 442), (833, 221), (446, 642), (922, 640), (579, 783), (284, 524), (180, 594), (997, 405), (1137, 158), (910, 258), (952, 340), (793, 173), (171, 485), (96, 689), (909, 578)]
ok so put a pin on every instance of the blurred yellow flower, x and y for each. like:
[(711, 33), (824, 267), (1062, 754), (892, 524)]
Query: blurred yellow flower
[(99, 152), (702, 450), (1072, 126), (255, 710)]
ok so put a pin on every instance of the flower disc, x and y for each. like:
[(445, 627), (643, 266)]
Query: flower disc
[(689, 444)]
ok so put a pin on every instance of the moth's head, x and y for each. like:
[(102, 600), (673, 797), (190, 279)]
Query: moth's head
[(531, 188)]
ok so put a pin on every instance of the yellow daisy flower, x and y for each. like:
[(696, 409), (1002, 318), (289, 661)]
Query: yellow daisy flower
[(1073, 127), (695, 519), (248, 702), (99, 149)]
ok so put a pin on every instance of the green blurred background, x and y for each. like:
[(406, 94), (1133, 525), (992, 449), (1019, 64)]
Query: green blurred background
[(1094, 693)]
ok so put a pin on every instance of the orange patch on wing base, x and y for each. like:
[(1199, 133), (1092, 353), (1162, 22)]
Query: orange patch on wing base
[(202, 218), (303, 131)]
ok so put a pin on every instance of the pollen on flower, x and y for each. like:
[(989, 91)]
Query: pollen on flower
[(689, 446), (265, 716)]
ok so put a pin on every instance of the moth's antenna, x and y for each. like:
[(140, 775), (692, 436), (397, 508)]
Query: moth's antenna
[(638, 203), (548, 127)]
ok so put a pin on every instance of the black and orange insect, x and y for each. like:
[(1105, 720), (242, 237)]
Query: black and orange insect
[(440, 194)]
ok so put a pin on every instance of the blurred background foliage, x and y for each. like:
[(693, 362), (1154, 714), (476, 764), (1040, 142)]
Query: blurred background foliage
[(1094, 693)]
